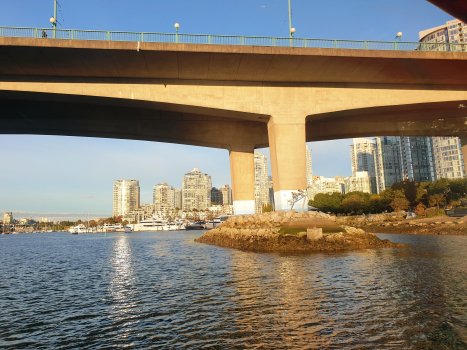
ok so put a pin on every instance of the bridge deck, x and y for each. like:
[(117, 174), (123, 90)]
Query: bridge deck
[(125, 59)]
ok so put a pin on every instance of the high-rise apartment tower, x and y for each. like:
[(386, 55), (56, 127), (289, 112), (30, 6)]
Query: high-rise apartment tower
[(126, 197), (261, 182), (196, 190)]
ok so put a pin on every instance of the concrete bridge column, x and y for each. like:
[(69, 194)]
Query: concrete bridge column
[(242, 173), (287, 146)]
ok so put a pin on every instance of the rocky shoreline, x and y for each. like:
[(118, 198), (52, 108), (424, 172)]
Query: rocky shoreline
[(412, 227), (395, 223), (291, 232)]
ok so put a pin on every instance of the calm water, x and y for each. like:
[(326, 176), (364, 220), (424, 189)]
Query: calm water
[(162, 290)]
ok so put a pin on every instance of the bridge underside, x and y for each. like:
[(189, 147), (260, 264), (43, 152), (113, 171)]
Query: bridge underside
[(87, 116), (456, 8), (73, 115), (234, 98)]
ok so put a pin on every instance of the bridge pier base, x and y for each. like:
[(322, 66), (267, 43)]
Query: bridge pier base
[(242, 173), (287, 147)]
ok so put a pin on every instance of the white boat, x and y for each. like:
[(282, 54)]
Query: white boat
[(113, 228), (177, 225), (77, 229), (152, 224), (220, 220)]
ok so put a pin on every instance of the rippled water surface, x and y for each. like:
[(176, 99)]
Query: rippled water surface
[(162, 290)]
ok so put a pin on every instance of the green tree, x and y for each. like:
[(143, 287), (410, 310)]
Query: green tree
[(420, 209), (353, 204), (378, 204), (437, 199), (440, 186), (328, 202), (457, 189), (399, 203)]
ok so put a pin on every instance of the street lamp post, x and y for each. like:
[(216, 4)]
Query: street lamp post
[(291, 29), (290, 21), (176, 28), (53, 19), (398, 38)]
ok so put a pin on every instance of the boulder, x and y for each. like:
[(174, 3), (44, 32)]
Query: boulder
[(313, 233), (352, 230), (335, 237)]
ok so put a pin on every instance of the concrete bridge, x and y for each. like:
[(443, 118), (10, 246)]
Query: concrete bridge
[(234, 97)]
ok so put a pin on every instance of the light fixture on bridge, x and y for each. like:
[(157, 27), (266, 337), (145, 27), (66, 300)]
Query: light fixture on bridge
[(176, 25), (292, 31), (399, 36), (53, 20)]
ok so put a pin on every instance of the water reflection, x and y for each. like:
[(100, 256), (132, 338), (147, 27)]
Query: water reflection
[(122, 288)]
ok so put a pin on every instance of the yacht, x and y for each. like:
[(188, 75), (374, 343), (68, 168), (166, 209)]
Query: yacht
[(112, 228), (152, 224), (220, 219), (199, 225), (77, 229), (177, 225)]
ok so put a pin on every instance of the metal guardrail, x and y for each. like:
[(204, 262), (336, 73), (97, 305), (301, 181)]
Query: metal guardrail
[(76, 34)]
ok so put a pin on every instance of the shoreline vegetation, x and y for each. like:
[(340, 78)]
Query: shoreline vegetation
[(291, 232)]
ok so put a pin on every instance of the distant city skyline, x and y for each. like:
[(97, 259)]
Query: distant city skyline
[(67, 177)]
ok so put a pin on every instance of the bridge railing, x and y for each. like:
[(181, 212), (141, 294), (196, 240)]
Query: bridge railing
[(76, 34)]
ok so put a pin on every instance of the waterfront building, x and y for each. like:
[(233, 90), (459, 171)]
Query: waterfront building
[(362, 156), (178, 198), (196, 190), (360, 182), (417, 159), (216, 197), (146, 211), (453, 32), (164, 197), (225, 194), (329, 185), (388, 161), (309, 175), (217, 210), (126, 196), (261, 181), (7, 218), (447, 158), (271, 190)]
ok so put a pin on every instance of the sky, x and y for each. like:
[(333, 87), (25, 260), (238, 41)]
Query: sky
[(64, 177)]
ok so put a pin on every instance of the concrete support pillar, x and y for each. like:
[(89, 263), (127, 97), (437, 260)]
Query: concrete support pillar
[(242, 173), (287, 146)]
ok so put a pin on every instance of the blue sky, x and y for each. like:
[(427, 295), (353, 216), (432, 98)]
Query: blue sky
[(65, 177)]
